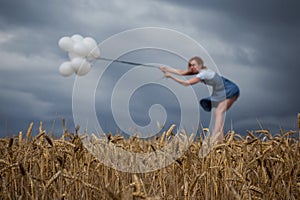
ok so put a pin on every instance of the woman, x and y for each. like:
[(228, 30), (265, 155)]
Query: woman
[(224, 92)]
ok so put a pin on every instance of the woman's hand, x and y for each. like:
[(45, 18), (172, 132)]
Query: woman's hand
[(179, 72), (167, 75), (163, 69), (166, 71)]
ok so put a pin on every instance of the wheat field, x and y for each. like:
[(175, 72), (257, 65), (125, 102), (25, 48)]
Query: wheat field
[(44, 167)]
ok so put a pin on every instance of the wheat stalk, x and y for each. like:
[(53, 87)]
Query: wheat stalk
[(49, 168)]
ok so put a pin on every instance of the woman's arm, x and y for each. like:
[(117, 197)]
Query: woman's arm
[(175, 71), (191, 81)]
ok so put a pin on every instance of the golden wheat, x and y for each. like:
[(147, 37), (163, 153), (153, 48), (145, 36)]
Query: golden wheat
[(43, 167)]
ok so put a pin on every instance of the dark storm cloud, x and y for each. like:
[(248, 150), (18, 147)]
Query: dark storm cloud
[(30, 85), (270, 29), (255, 43), (32, 95), (31, 13), (271, 25), (276, 11)]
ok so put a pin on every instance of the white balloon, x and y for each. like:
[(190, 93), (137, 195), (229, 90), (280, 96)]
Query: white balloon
[(77, 38), (66, 43), (81, 49), (66, 69), (76, 63), (96, 53), (84, 69), (91, 44), (73, 55)]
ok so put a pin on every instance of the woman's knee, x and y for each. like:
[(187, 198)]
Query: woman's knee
[(220, 110)]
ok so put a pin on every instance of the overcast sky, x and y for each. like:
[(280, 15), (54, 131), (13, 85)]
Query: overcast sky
[(254, 43)]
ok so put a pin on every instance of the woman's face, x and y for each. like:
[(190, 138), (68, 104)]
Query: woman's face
[(194, 67)]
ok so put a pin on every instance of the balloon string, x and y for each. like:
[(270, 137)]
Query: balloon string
[(127, 62)]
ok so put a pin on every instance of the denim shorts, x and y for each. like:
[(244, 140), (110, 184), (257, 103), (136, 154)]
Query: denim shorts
[(231, 90)]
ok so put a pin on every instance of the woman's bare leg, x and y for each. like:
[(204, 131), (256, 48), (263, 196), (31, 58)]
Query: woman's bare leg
[(219, 121), (222, 107)]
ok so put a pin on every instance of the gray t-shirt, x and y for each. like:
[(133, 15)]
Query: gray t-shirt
[(211, 78)]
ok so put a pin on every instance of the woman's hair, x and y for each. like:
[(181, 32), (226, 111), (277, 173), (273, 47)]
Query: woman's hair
[(199, 61)]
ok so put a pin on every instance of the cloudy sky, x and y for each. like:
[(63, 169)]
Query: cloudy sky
[(254, 43)]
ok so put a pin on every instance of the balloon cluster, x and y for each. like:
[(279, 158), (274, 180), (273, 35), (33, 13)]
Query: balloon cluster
[(79, 50)]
